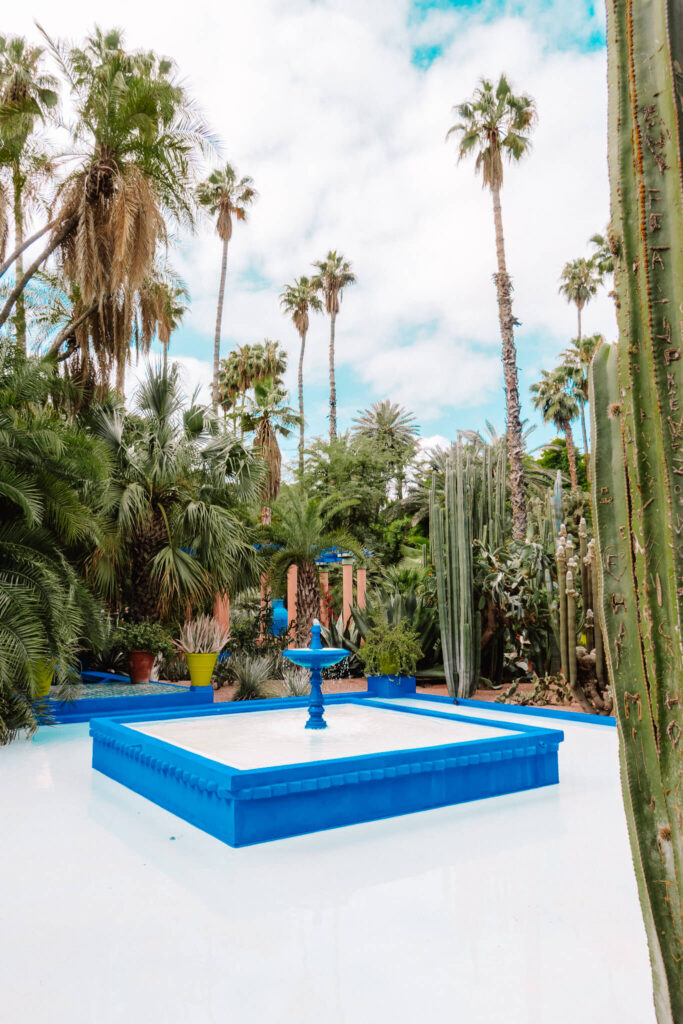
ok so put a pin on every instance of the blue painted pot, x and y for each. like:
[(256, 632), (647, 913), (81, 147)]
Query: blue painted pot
[(280, 617), (391, 686)]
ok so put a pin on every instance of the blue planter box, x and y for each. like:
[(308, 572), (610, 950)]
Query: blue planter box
[(391, 686), (241, 807)]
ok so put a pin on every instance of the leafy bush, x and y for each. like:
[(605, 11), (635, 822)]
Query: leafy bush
[(391, 650), (174, 669), (203, 635), (143, 636), (251, 675), (297, 679)]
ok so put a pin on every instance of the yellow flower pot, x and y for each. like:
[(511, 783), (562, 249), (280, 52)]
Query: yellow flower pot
[(44, 673), (201, 667)]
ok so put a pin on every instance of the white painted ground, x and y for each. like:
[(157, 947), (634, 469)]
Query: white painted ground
[(516, 910), (262, 739)]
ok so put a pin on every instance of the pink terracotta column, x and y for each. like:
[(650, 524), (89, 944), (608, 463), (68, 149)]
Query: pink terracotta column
[(221, 610), (324, 593), (347, 591), (361, 583), (291, 596)]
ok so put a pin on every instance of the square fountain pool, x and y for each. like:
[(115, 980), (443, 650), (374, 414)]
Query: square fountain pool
[(252, 774)]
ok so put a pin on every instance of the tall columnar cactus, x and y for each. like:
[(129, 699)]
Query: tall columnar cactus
[(637, 403)]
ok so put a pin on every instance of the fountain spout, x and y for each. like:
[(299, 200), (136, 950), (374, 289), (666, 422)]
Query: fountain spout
[(315, 658)]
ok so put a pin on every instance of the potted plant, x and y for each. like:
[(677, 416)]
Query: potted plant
[(142, 641), (390, 655), (201, 641)]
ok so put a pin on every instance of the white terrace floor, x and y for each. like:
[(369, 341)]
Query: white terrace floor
[(520, 909)]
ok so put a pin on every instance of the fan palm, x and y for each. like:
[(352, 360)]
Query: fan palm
[(301, 530), (224, 196), (268, 416), (53, 481), (393, 430), (27, 95), (579, 283), (333, 275), (495, 123), (297, 300), (142, 135), (558, 406), (176, 534)]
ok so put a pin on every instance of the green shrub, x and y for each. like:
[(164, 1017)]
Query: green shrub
[(143, 636), (391, 651)]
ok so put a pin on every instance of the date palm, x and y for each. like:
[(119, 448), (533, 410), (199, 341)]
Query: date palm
[(224, 196), (576, 360), (333, 275), (268, 416), (552, 396), (245, 367), (27, 95), (393, 430), (495, 124), (162, 304), (142, 135), (297, 300)]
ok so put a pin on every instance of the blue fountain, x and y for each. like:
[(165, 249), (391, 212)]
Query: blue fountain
[(315, 658)]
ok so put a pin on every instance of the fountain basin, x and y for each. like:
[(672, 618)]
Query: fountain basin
[(250, 776)]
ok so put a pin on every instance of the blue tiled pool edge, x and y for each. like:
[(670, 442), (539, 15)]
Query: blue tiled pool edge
[(86, 708), (245, 807)]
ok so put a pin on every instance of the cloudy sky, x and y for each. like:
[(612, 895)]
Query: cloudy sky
[(338, 109)]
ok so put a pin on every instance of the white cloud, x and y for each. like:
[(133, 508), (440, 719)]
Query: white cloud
[(345, 139)]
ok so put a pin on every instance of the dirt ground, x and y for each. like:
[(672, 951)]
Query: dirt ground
[(226, 693)]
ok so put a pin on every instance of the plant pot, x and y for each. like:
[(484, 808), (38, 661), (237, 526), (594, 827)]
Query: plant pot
[(201, 667), (44, 674), (391, 686), (280, 617), (140, 664)]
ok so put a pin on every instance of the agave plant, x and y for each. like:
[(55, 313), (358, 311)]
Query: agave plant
[(297, 679), (203, 635), (251, 675)]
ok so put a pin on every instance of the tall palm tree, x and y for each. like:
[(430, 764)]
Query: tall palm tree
[(558, 406), (268, 416), (142, 135), (301, 528), (333, 275), (576, 360), (162, 305), (245, 367), (579, 283), (27, 95), (495, 123), (297, 300), (603, 257), (393, 430), (224, 196)]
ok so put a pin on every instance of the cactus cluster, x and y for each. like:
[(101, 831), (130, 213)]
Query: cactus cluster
[(637, 406), (475, 487)]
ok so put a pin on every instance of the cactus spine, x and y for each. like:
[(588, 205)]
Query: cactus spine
[(637, 399)]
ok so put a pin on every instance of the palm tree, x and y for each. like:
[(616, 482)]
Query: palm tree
[(579, 283), (269, 416), (494, 123), (301, 530), (576, 360), (245, 367), (162, 304), (296, 300), (558, 406), (393, 430), (224, 195), (27, 95), (333, 275), (178, 491), (603, 257), (142, 135)]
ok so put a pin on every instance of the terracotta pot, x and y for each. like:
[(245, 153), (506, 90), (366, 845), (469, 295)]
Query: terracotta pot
[(140, 664)]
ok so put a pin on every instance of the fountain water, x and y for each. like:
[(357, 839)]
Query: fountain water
[(316, 657)]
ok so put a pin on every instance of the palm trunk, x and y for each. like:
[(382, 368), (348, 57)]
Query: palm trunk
[(582, 406), (307, 600), (333, 388), (16, 253), (121, 374), (514, 422), (20, 312), (571, 454), (301, 406), (219, 320), (55, 241)]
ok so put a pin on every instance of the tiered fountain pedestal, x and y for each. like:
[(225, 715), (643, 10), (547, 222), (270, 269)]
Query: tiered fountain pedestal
[(251, 773)]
